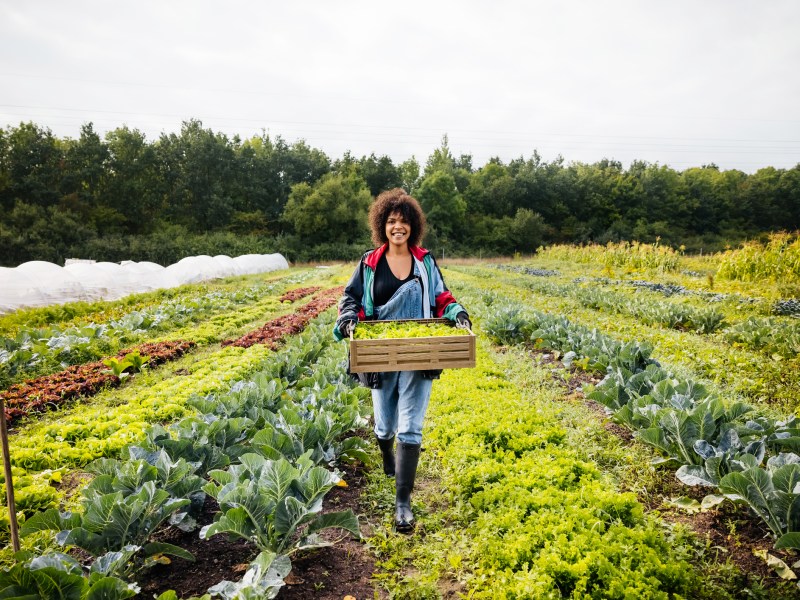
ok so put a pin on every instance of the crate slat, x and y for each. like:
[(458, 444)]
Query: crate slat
[(412, 354)]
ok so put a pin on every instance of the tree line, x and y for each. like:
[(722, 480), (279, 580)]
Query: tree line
[(122, 196)]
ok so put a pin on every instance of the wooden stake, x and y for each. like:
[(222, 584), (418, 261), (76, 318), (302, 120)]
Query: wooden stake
[(12, 507)]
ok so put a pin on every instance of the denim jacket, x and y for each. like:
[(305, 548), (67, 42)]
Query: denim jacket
[(357, 302)]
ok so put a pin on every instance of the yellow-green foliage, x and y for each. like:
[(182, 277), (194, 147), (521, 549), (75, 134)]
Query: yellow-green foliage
[(406, 329), (626, 255), (91, 432), (102, 430), (543, 522), (226, 324), (735, 370), (778, 260)]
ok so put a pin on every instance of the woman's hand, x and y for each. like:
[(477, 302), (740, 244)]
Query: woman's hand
[(462, 321), (347, 328)]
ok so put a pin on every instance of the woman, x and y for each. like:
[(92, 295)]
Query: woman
[(398, 280)]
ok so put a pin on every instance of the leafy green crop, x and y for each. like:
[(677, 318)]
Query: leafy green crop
[(769, 335), (372, 330), (533, 520), (274, 504), (112, 522), (132, 361), (262, 580), (772, 493), (61, 576)]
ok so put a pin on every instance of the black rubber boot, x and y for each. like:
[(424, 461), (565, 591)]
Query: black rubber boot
[(407, 459), (387, 451)]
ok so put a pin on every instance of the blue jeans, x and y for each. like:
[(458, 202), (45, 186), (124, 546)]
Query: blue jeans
[(400, 403)]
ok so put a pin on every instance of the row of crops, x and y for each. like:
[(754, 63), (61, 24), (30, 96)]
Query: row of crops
[(761, 367), (272, 430), (739, 444), (727, 446), (260, 450), (524, 493), (48, 349)]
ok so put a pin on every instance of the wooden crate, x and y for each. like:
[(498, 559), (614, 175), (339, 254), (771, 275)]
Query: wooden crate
[(412, 354)]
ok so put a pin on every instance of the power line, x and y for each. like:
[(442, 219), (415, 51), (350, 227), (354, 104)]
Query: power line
[(437, 131), (383, 100), (500, 144)]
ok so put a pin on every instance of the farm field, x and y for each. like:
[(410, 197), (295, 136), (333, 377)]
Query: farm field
[(629, 432)]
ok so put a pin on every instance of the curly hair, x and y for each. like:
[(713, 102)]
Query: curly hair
[(396, 201)]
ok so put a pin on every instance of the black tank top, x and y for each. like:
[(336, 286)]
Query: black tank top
[(386, 284)]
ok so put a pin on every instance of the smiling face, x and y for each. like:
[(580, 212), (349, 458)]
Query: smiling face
[(398, 230)]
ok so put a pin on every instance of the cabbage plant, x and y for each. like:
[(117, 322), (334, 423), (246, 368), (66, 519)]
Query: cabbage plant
[(275, 505)]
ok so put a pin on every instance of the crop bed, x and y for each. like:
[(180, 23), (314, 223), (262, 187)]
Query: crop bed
[(50, 391), (277, 329), (527, 488), (299, 293)]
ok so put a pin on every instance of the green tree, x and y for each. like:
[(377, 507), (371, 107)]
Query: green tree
[(789, 193), (761, 191), (6, 178), (133, 187), (441, 159), (85, 166), (379, 173), (334, 210), (409, 175), (34, 160), (444, 207), (200, 170), (527, 230), (492, 191)]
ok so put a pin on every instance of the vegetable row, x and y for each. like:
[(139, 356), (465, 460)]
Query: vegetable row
[(91, 432), (533, 517), (50, 391), (276, 329), (50, 348), (263, 445), (46, 349), (759, 377), (766, 334), (747, 457)]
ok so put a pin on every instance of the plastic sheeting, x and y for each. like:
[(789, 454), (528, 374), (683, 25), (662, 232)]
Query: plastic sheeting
[(18, 289), (39, 283), (97, 283), (260, 263), (53, 282)]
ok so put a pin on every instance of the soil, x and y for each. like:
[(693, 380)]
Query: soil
[(216, 559), (344, 569), (732, 533), (327, 573)]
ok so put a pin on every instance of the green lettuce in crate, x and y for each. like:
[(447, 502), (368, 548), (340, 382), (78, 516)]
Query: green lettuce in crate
[(404, 329)]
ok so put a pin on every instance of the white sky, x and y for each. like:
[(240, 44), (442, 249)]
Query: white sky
[(678, 82)]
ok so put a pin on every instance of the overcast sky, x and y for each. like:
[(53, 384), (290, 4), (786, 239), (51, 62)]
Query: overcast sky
[(678, 82)]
